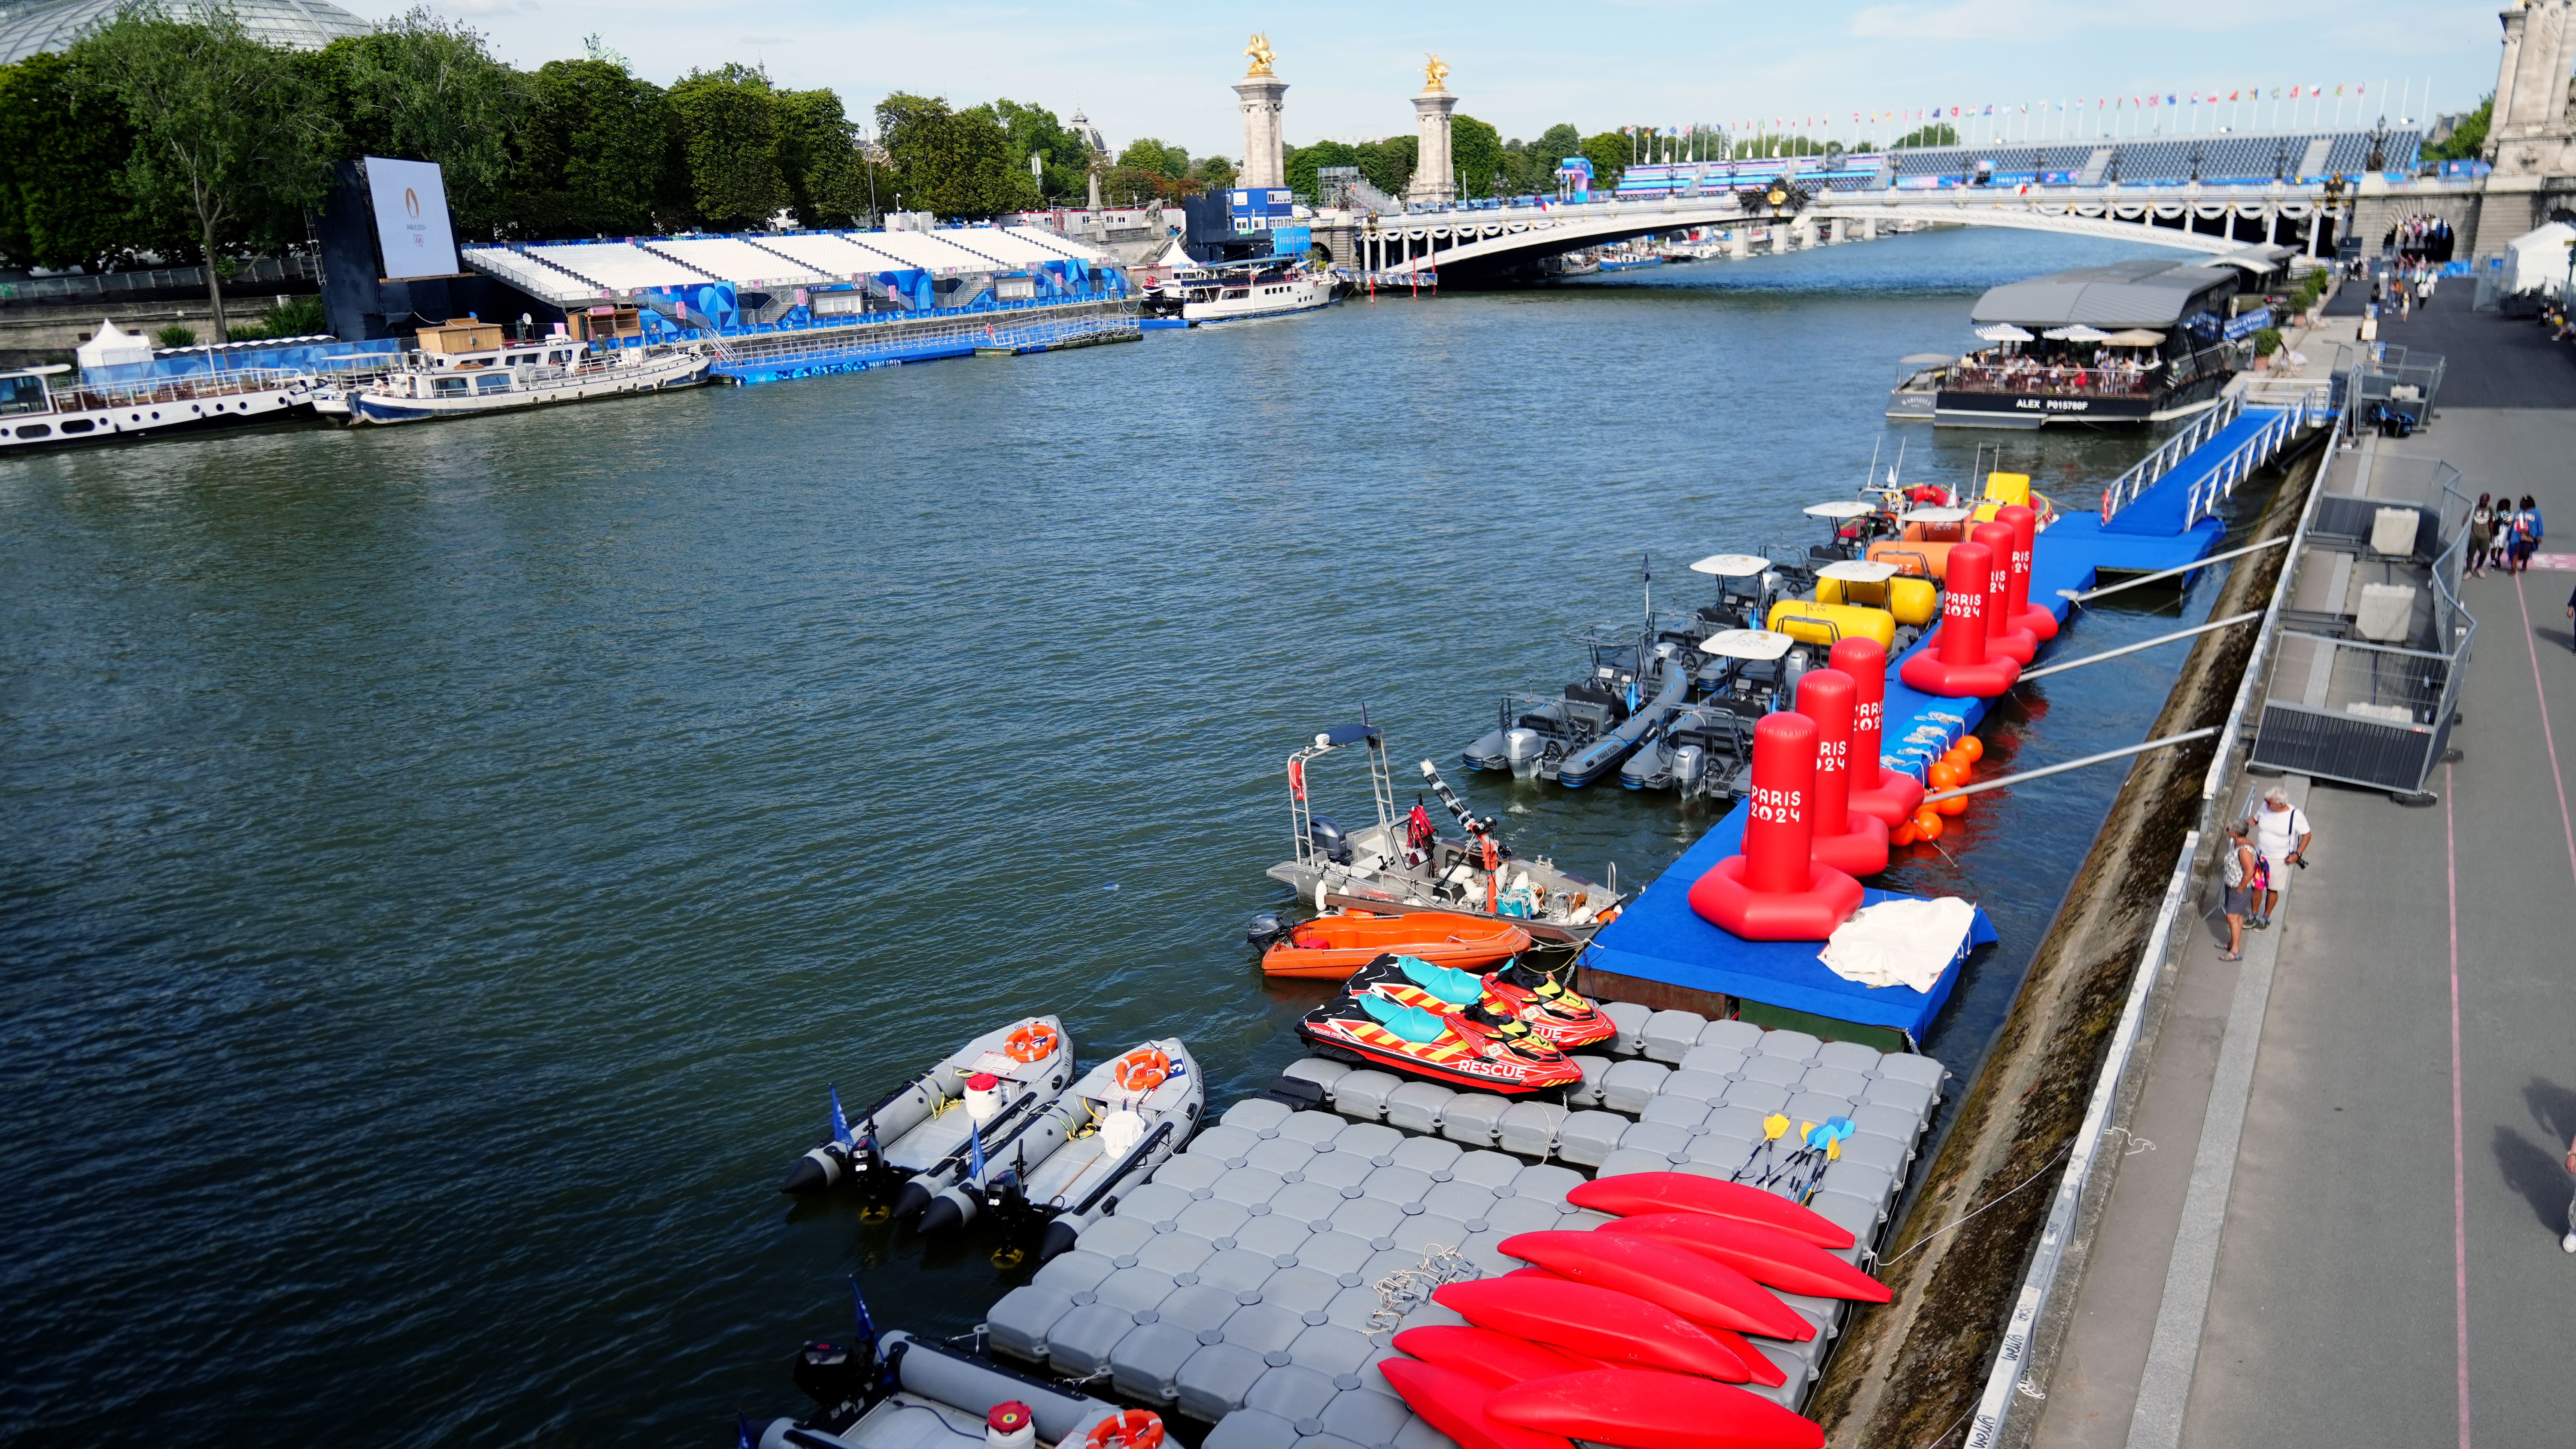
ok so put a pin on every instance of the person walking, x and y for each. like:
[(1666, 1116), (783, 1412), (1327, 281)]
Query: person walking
[(2481, 535), (2526, 534), (2281, 835), (2567, 1244), (2236, 873)]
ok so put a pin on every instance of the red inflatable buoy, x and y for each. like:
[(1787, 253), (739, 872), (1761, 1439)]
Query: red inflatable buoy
[(1634, 1193), (1652, 1411), (1960, 668), (1775, 891), (1855, 844), (1454, 1404), (1891, 795), (2037, 618), (1765, 1255), (1697, 1287), (1616, 1328), (2003, 635)]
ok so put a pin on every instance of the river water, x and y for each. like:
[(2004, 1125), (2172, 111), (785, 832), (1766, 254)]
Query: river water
[(443, 866)]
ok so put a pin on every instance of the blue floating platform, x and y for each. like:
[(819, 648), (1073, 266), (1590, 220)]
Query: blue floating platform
[(1659, 939)]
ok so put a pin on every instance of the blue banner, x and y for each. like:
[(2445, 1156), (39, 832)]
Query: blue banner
[(2249, 324)]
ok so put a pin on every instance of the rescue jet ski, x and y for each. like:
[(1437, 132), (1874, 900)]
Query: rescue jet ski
[(903, 1392), (1462, 1046), (918, 1138), (1403, 864), (1112, 1127), (1554, 1013)]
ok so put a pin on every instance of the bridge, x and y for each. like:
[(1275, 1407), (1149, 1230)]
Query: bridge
[(2211, 195)]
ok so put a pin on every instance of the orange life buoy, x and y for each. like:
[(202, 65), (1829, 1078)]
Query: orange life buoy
[(1127, 1429), (1297, 779), (1034, 1042), (1141, 1070)]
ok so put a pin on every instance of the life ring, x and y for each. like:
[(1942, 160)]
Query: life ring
[(1297, 779), (1034, 1042), (1142, 1070), (1127, 1429)]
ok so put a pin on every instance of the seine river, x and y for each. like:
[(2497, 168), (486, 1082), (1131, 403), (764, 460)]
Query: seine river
[(442, 866)]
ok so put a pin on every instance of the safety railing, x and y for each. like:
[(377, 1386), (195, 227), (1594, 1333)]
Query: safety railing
[(1066, 324), (2124, 490), (178, 389), (2219, 485), (297, 266)]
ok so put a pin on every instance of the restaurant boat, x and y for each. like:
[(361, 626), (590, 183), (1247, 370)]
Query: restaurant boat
[(2127, 344), (42, 407), (462, 368)]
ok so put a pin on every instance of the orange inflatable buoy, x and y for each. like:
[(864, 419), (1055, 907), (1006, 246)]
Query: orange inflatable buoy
[(1972, 747), (1944, 775), (1034, 1042), (1127, 1429), (1955, 805), (1927, 823), (1141, 1070), (1902, 834)]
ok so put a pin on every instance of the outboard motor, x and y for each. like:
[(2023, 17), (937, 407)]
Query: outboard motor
[(1264, 930), (1792, 669), (1690, 766), (1329, 840), (835, 1375), (1521, 748)]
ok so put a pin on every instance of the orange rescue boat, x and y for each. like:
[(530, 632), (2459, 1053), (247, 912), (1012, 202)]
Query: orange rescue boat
[(1335, 946)]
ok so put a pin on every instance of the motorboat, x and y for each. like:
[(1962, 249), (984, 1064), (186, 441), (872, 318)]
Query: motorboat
[(1598, 758), (1240, 291), (462, 369), (920, 1137), (906, 1392), (1918, 386), (1707, 747), (1536, 735), (40, 407), (1554, 1012), (1468, 1046), (1402, 863), (1743, 590), (1334, 944), (1055, 1175)]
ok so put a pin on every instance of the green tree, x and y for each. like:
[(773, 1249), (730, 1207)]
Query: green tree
[(1065, 156), (1304, 161), (225, 128), (63, 149), (1389, 164), (818, 154), (423, 89), (1608, 153), (952, 163), (1147, 154), (1936, 134), (599, 154), (1216, 173), (729, 130), (2469, 138), (1476, 150)]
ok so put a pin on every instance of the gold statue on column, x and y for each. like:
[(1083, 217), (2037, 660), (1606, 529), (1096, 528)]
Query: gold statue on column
[(1434, 73), (1261, 54)]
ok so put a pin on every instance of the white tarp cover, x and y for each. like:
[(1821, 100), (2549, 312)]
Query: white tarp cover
[(2537, 260), (1899, 943), (411, 218)]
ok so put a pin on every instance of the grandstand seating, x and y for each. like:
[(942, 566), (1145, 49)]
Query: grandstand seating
[(1060, 245), (929, 251), (838, 254), (740, 262), (619, 266), (551, 284)]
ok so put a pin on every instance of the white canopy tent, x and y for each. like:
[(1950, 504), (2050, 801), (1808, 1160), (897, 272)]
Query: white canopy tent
[(2536, 261)]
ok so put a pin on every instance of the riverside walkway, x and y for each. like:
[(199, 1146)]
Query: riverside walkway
[(2346, 1228)]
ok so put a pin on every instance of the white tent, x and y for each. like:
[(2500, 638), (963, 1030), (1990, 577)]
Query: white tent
[(111, 346), (2537, 260)]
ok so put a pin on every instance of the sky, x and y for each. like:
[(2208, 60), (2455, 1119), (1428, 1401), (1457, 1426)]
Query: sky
[(1163, 69)]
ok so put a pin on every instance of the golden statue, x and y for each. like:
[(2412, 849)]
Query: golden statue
[(1261, 54), (1434, 73)]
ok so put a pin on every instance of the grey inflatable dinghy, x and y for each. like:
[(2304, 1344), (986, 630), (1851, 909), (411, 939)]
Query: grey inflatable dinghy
[(919, 1138), (1707, 747), (1536, 734), (1599, 758)]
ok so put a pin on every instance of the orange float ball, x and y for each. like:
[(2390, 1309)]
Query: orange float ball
[(1927, 823), (1902, 834), (1955, 805), (1973, 748), (1945, 775)]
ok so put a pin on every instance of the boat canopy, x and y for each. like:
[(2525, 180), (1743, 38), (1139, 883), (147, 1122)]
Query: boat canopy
[(1933, 517), (2077, 333), (2135, 337), (2149, 292), (1926, 359), (1755, 644), (1858, 571), (1841, 508), (1732, 565)]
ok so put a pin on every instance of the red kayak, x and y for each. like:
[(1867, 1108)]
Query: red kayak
[(1454, 1404), (1765, 1255), (1635, 1193), (1651, 1411), (1613, 1327), (1697, 1287), (1498, 1358)]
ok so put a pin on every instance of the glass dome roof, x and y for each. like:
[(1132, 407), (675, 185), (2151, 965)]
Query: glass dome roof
[(31, 29)]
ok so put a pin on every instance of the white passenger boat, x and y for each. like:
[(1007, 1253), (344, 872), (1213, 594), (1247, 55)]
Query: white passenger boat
[(464, 368), (41, 407), (1237, 291)]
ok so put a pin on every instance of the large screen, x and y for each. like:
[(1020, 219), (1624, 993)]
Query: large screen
[(411, 218)]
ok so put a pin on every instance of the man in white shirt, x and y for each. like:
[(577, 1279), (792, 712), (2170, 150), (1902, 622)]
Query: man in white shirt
[(2281, 833)]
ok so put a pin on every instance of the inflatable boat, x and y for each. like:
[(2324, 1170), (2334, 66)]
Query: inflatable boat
[(1333, 946), (1469, 1046), (1554, 1014), (1108, 1131), (906, 1393), (919, 1137)]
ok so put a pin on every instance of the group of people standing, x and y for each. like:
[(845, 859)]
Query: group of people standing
[(2503, 534), (2400, 286), (2426, 238)]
